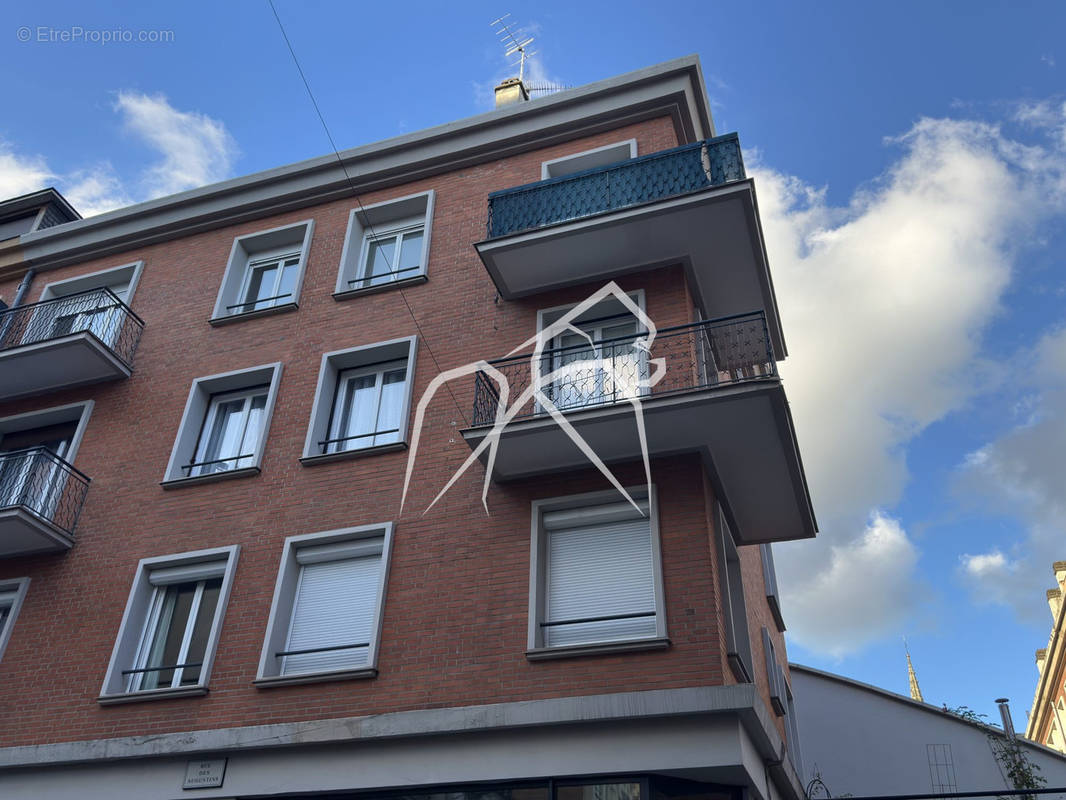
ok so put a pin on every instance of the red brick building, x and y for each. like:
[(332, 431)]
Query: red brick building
[(208, 408)]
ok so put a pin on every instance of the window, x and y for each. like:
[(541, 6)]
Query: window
[(386, 245), (325, 621), (738, 641), (12, 593), (224, 427), (589, 159), (769, 579), (596, 579), (362, 401), (167, 638), (264, 273), (775, 676)]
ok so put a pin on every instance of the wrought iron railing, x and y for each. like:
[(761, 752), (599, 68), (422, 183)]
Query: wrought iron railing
[(44, 484), (669, 173), (697, 356), (97, 311)]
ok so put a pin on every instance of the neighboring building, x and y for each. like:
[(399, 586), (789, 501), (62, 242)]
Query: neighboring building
[(26, 214), (1047, 718), (207, 405), (862, 740)]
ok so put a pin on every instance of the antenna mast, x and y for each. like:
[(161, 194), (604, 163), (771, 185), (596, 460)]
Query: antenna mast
[(515, 42)]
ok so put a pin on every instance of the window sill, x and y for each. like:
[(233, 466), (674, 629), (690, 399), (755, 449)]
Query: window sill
[(325, 458), (214, 477), (573, 651), (348, 294), (151, 694), (262, 312), (315, 677)]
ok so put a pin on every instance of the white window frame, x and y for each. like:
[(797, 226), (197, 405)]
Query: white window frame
[(251, 249), (282, 606), (588, 159), (241, 460), (193, 419), (12, 594), (333, 365), (734, 604), (378, 222), (128, 647), (341, 399), (598, 503), (128, 275), (261, 261)]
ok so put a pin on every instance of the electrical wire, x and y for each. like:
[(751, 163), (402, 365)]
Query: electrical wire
[(355, 194)]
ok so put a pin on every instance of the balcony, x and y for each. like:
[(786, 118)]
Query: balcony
[(41, 496), (68, 341), (692, 205), (708, 387)]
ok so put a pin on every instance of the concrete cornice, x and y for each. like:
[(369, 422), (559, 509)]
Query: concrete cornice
[(1051, 677), (741, 700), (674, 88)]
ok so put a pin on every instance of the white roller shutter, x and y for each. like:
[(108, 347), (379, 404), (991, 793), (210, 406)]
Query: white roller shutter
[(335, 604), (600, 570)]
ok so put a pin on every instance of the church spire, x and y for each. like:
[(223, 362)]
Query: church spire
[(916, 692)]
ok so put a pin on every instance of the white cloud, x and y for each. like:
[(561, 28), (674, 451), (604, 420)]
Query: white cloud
[(1022, 474), (884, 302), (195, 149)]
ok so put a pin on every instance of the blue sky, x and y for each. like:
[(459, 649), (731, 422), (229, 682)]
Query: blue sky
[(910, 161)]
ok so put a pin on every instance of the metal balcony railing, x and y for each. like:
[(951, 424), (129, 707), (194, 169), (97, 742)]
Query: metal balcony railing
[(95, 311), (697, 356), (43, 483), (682, 170)]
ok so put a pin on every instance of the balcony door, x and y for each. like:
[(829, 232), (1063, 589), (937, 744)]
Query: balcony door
[(29, 476), (610, 369), (95, 313)]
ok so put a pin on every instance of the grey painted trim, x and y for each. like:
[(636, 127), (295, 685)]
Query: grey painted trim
[(96, 279), (245, 249), (385, 287), (325, 391), (52, 416), (214, 477), (133, 619), (347, 455), (281, 606), (357, 249), (151, 694), (60, 539), (315, 677), (603, 648), (537, 557), (20, 586), (741, 699), (196, 406), (674, 88), (546, 166), (47, 348), (262, 312), (43, 197)]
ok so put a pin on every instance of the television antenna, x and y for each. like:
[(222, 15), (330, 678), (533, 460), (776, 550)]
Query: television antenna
[(515, 41)]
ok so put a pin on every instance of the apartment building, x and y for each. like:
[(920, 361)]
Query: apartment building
[(228, 565), (1046, 722)]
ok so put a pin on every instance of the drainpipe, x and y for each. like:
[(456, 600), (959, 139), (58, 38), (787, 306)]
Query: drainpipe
[(20, 294)]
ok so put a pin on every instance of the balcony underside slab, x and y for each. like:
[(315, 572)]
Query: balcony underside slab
[(62, 363), (714, 233), (23, 533), (744, 432)]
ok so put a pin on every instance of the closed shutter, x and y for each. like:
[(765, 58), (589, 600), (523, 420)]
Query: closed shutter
[(600, 570), (334, 608)]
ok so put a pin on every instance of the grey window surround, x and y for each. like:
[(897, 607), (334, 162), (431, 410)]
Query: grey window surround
[(792, 743), (333, 363), (769, 577), (536, 650), (124, 274), (128, 639), (284, 601), (293, 237), (19, 587), (735, 616), (378, 220), (775, 676), (52, 416), (194, 414), (588, 159)]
